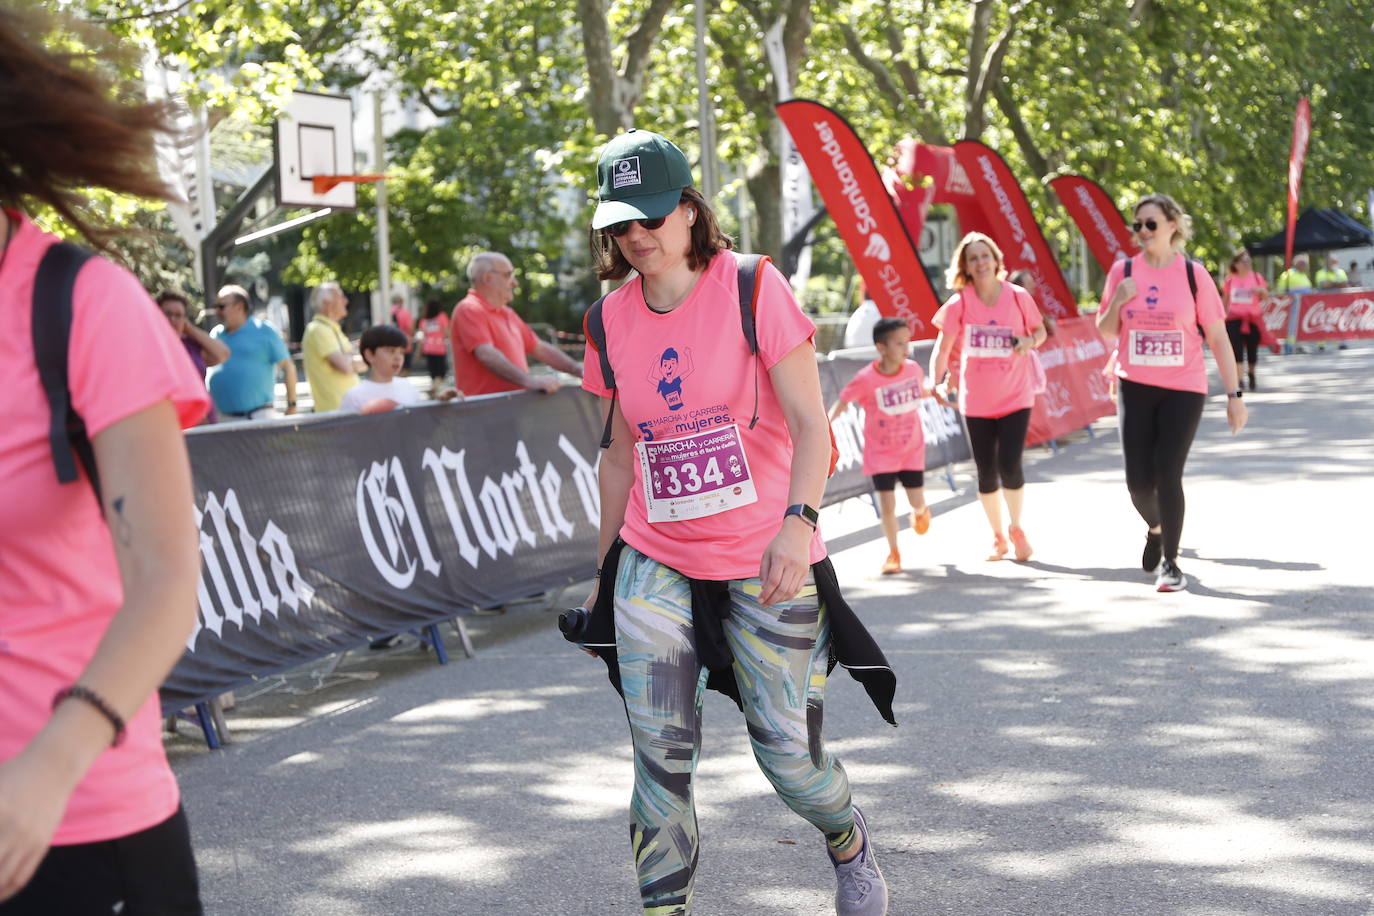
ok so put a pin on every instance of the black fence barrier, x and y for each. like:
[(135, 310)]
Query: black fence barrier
[(322, 534)]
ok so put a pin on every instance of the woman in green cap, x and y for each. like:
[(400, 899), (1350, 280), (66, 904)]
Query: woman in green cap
[(716, 453)]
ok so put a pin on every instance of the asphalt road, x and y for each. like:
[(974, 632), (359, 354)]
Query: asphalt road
[(1071, 742)]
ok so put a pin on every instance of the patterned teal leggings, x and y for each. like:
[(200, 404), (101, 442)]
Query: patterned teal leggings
[(780, 663)]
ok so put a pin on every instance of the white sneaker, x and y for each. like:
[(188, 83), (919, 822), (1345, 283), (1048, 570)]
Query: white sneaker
[(1170, 578)]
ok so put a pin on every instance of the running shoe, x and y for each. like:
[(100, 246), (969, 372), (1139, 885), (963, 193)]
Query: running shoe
[(1154, 550), (1170, 578), (893, 564), (920, 521), (1023, 547), (999, 546), (862, 890)]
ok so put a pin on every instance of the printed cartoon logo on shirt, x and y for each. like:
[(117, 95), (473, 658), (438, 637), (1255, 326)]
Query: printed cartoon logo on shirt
[(669, 372)]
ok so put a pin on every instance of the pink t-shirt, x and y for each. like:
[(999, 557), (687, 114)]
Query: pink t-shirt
[(686, 387), (1159, 343), (59, 583), (993, 381), (435, 341), (1246, 294), (893, 437)]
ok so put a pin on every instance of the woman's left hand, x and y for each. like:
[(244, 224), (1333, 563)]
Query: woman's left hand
[(786, 562), (1236, 414), (32, 799), (1023, 345)]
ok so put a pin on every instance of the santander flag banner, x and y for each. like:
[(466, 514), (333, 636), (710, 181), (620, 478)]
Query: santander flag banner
[(865, 215), (1097, 218), (1015, 228), (1297, 157)]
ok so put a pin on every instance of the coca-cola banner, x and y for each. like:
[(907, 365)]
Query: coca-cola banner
[(1076, 392), (1014, 226), (863, 212), (1105, 232), (321, 534), (1345, 315)]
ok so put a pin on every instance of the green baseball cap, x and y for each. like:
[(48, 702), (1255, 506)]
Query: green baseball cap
[(640, 175)]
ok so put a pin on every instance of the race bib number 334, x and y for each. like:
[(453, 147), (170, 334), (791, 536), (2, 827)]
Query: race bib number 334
[(698, 475)]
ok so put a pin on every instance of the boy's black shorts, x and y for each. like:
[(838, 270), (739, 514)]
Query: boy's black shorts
[(888, 482)]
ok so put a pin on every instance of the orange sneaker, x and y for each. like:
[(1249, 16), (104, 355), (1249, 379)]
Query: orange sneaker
[(999, 546), (893, 564), (920, 522), (1023, 547)]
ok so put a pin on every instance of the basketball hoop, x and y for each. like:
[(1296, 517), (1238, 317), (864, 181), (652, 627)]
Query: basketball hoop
[(323, 184)]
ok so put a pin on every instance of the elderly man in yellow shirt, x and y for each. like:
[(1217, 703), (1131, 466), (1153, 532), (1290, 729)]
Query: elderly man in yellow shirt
[(331, 367)]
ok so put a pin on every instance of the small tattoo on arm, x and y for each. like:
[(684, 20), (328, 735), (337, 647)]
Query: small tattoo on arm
[(120, 527)]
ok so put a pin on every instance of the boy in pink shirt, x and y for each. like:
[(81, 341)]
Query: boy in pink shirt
[(890, 390)]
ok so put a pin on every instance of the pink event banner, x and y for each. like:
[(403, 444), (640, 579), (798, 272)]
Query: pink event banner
[(1014, 225), (1107, 235), (865, 215), (1076, 392)]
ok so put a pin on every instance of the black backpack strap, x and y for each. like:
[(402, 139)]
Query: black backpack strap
[(1192, 287), (1126, 268), (748, 267), (594, 327), (52, 324)]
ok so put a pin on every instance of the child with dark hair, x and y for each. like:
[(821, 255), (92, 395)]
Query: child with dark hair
[(890, 390), (383, 348)]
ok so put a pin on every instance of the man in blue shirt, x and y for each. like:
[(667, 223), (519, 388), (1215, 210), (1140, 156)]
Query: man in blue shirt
[(244, 386)]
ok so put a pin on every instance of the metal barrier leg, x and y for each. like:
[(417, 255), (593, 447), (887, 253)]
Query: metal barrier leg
[(1091, 433), (217, 716), (949, 478), (432, 636), (873, 500), (207, 725), (463, 636), (1054, 446)]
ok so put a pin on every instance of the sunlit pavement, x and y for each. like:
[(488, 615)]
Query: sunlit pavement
[(1071, 742)]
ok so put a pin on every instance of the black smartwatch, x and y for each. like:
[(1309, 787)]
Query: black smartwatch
[(805, 513), (1235, 394)]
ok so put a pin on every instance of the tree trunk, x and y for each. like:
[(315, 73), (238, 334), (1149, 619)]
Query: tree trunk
[(765, 190)]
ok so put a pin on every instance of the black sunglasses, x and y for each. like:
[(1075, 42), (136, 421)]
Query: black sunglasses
[(1146, 224), (616, 230)]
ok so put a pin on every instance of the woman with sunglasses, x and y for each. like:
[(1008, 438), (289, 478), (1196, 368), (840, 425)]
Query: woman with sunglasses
[(1241, 293), (1149, 310), (716, 458), (993, 325), (97, 584)]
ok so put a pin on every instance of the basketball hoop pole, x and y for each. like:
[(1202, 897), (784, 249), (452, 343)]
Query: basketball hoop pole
[(323, 184)]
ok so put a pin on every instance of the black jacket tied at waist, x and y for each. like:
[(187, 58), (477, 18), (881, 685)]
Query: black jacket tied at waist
[(851, 645)]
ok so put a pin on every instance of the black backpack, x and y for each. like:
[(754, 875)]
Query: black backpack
[(748, 267), (52, 325)]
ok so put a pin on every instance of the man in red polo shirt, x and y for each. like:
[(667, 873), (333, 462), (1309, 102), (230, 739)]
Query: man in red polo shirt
[(491, 343)]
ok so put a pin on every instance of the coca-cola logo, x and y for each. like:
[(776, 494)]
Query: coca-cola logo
[(1353, 318)]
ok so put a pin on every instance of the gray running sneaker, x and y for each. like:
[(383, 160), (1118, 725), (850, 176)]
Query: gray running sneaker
[(862, 890), (1170, 578)]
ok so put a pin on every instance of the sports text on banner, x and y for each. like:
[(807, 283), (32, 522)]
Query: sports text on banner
[(1103, 229)]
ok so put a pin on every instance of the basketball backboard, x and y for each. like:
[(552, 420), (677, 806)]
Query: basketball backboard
[(314, 136)]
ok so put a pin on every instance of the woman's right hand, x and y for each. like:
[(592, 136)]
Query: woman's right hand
[(32, 799), (1125, 292)]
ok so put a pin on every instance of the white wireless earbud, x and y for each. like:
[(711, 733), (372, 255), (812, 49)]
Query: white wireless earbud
[(691, 216)]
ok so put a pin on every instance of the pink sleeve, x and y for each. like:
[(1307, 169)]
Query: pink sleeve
[(1030, 312), (1209, 307), (528, 337), (1227, 284), (778, 320), (1114, 276), (950, 317), (591, 373), (124, 355), (857, 389)]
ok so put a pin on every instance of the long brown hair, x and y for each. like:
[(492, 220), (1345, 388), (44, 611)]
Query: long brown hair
[(69, 121), (707, 241), (957, 276)]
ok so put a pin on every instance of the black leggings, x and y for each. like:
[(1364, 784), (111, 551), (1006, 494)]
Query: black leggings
[(1157, 429), (149, 873), (997, 444), (1248, 344)]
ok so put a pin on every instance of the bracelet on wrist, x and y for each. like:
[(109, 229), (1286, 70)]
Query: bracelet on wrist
[(90, 697)]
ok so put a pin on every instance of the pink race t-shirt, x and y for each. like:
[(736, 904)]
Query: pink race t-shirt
[(993, 381), (709, 492), (1159, 343), (435, 341), (59, 582), (1246, 293), (893, 437)]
